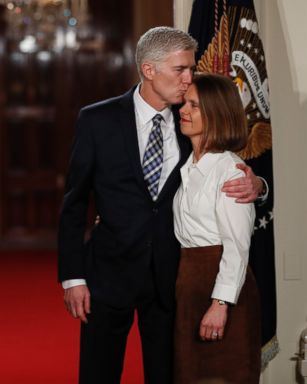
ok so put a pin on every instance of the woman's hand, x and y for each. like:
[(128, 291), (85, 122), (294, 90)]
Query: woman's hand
[(213, 323)]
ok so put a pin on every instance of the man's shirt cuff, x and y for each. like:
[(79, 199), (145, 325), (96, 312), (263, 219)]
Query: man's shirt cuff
[(72, 283), (264, 195)]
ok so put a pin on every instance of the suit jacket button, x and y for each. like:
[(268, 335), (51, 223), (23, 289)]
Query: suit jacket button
[(149, 243), (155, 211)]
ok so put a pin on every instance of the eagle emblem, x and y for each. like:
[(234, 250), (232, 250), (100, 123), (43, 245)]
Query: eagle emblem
[(238, 53)]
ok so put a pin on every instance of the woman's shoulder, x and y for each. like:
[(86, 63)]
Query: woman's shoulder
[(226, 166), (231, 158)]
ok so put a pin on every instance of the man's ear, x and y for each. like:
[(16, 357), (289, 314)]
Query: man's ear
[(148, 70)]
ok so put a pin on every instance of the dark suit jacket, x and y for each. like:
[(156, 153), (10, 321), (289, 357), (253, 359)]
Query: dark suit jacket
[(134, 233)]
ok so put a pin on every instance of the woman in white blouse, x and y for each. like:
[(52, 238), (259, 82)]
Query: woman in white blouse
[(217, 331)]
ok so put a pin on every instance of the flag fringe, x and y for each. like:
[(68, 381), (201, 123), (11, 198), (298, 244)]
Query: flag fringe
[(269, 351)]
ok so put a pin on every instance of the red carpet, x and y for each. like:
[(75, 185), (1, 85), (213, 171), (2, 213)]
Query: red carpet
[(39, 342)]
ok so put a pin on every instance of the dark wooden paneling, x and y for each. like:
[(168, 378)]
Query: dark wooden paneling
[(39, 101)]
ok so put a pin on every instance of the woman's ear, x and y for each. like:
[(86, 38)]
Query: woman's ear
[(148, 70)]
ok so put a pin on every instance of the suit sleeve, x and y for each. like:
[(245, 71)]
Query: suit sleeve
[(75, 205)]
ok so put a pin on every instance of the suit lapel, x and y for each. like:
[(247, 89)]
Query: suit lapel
[(128, 124)]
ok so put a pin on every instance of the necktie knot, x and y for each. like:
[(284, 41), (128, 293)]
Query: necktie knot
[(157, 119)]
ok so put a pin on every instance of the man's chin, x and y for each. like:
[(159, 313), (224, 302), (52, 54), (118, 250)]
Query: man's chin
[(178, 100)]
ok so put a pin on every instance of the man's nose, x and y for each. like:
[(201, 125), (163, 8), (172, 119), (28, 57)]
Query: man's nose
[(187, 76)]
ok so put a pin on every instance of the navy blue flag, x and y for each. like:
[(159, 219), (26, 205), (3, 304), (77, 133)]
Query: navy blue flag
[(229, 44)]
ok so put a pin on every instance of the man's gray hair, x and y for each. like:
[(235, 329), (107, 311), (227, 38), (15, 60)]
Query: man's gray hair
[(158, 42)]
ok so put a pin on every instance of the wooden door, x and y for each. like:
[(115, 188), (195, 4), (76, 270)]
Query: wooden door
[(42, 89)]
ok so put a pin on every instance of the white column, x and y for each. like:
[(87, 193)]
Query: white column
[(182, 13)]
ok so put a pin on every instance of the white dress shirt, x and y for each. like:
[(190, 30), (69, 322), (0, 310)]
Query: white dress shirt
[(144, 114), (204, 216)]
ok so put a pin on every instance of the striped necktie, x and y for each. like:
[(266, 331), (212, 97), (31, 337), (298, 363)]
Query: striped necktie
[(153, 157)]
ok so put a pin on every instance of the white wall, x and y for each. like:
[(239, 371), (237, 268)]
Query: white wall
[(283, 26), (284, 31)]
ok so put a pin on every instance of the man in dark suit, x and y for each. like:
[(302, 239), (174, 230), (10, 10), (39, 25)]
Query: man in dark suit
[(130, 262)]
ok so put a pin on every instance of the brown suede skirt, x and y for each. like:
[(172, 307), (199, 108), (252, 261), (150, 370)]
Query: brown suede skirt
[(236, 358)]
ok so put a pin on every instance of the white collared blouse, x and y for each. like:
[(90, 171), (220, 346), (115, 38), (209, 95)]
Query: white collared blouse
[(205, 216)]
